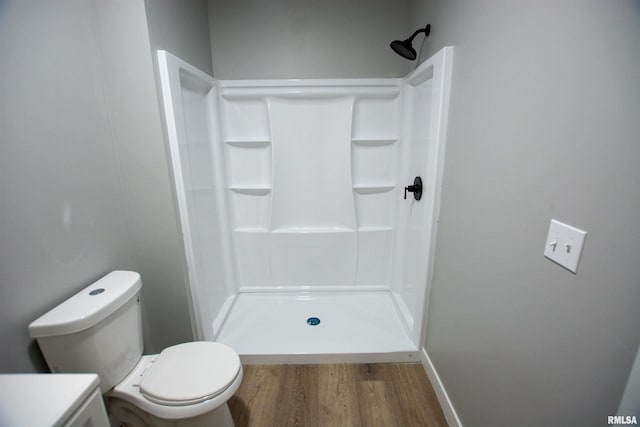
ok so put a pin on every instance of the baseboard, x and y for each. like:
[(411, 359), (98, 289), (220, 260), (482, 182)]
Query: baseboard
[(445, 403)]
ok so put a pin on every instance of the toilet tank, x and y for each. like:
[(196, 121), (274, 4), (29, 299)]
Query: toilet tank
[(97, 330)]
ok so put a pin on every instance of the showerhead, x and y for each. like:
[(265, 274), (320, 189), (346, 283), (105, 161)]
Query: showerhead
[(405, 48)]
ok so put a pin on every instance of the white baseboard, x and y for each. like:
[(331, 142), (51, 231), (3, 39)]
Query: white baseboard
[(445, 403)]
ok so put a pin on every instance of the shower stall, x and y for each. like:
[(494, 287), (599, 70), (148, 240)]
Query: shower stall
[(302, 230)]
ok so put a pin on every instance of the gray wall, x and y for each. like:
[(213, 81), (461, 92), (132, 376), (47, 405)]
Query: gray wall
[(181, 28), (137, 130), (84, 183), (543, 124), (307, 38), (62, 217)]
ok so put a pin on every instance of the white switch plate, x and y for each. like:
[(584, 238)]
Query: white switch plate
[(564, 245)]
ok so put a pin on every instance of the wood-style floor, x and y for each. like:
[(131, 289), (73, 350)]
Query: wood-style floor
[(381, 394)]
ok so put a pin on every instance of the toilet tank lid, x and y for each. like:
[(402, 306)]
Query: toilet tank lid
[(89, 306)]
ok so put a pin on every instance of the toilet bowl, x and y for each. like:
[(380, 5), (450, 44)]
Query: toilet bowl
[(191, 381), (100, 330)]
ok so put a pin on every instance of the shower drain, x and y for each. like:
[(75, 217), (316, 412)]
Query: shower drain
[(313, 321)]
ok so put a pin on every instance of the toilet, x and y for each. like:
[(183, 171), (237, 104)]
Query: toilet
[(99, 330)]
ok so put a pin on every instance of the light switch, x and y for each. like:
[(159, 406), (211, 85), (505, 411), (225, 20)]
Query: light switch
[(564, 245)]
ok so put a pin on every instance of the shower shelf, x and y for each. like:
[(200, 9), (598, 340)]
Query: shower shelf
[(257, 143), (312, 230), (253, 191), (375, 228), (373, 189), (373, 142)]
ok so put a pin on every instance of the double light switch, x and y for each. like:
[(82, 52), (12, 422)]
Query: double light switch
[(564, 245)]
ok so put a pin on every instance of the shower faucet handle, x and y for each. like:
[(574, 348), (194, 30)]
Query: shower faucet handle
[(416, 189)]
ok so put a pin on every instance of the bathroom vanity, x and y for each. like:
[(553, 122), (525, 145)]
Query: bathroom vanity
[(51, 400)]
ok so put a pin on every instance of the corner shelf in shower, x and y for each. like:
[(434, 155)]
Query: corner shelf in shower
[(375, 228), (251, 190), (373, 188), (253, 143), (373, 142), (312, 230)]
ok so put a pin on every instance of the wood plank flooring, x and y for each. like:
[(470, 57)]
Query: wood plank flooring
[(380, 394)]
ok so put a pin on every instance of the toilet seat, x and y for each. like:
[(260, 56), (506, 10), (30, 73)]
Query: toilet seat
[(190, 373), (182, 381)]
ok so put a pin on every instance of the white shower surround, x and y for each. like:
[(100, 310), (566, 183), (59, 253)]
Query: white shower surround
[(295, 187)]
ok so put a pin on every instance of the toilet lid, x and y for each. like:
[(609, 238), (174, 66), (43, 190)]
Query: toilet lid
[(190, 373)]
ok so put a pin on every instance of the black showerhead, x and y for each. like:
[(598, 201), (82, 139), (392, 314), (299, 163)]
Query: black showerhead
[(405, 48)]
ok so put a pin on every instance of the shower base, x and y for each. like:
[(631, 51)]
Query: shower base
[(317, 327)]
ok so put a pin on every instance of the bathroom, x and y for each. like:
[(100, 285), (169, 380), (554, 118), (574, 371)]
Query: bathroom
[(542, 125)]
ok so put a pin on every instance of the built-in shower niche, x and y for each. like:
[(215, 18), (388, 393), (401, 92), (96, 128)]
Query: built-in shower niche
[(374, 157), (249, 178), (248, 161), (374, 182)]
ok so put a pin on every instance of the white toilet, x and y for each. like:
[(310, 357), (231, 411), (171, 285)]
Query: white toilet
[(100, 330)]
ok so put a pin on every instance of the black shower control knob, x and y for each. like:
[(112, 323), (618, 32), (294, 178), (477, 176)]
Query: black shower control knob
[(416, 188)]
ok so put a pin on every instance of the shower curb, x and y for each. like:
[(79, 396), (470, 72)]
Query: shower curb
[(314, 359)]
